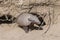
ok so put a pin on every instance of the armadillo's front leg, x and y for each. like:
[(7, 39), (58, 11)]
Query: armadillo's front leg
[(40, 27)]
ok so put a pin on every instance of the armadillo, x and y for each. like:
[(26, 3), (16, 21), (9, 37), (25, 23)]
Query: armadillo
[(26, 19)]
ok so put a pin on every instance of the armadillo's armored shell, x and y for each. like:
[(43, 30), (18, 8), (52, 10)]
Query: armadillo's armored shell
[(26, 19)]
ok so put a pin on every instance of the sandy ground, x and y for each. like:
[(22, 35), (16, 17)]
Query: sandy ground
[(8, 32), (13, 32)]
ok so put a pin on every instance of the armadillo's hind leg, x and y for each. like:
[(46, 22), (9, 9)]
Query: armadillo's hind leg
[(26, 29), (31, 27)]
